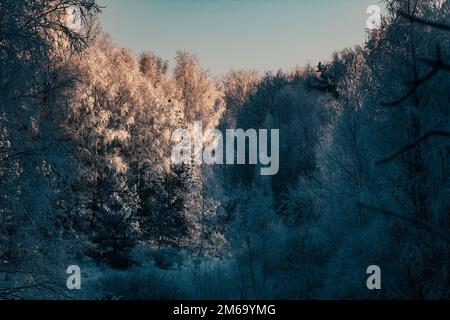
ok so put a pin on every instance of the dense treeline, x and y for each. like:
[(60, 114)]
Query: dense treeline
[(87, 178)]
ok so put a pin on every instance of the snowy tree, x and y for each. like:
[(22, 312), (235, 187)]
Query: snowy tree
[(199, 95), (33, 39), (101, 113)]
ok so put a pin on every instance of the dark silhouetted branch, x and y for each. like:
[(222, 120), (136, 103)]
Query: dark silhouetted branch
[(36, 151), (412, 145), (416, 222), (416, 86), (436, 64), (14, 289), (421, 21)]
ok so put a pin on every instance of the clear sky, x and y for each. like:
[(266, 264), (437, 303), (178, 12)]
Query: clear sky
[(238, 34)]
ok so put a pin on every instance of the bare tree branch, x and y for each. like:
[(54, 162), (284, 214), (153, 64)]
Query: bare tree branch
[(412, 91), (412, 145), (416, 222), (437, 65), (7, 290), (19, 154), (421, 21)]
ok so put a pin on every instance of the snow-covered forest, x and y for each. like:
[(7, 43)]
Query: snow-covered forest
[(86, 176)]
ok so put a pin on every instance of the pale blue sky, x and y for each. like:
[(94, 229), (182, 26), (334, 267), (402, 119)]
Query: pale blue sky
[(238, 34)]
